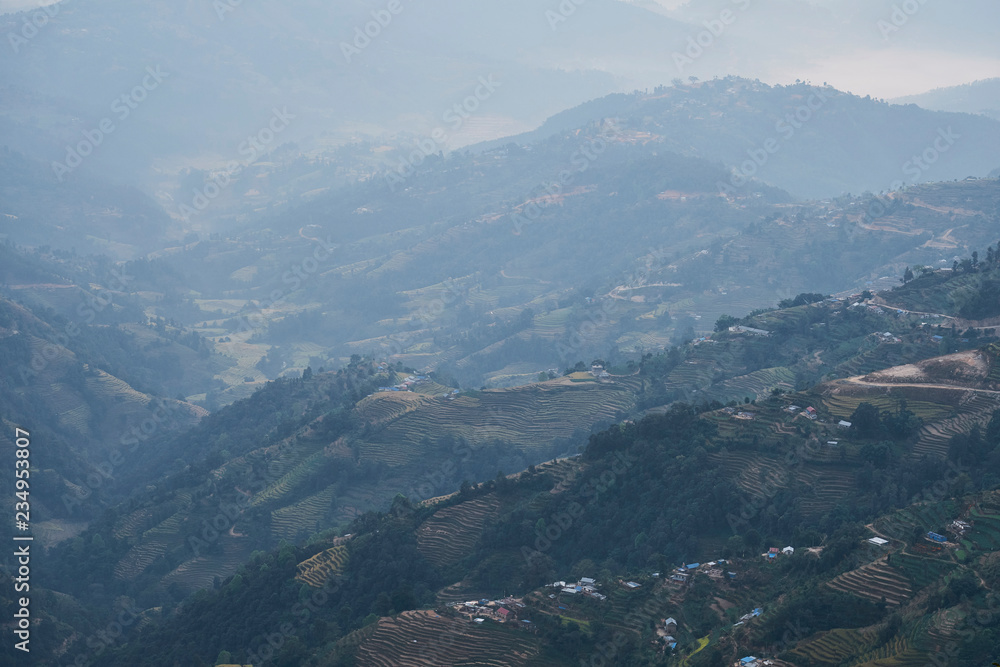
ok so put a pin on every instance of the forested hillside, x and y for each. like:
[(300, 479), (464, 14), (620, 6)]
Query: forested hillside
[(641, 499), (748, 469)]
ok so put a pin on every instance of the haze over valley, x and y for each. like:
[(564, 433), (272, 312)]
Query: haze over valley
[(638, 332)]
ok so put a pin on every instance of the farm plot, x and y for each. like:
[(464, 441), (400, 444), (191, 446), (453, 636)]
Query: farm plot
[(527, 417), (200, 572), (384, 406), (985, 531), (449, 534), (299, 464), (831, 648), (304, 517), (875, 581), (921, 571), (317, 570), (420, 638), (755, 385), (155, 542)]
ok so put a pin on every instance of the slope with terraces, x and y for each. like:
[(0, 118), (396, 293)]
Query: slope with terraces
[(450, 533), (876, 581), (951, 394), (419, 638), (526, 417)]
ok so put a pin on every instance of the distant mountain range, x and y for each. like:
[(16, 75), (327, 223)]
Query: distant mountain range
[(979, 97), (341, 84), (825, 142)]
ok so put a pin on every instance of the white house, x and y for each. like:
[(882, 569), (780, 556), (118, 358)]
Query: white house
[(788, 551)]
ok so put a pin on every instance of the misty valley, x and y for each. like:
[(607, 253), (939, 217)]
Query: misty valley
[(619, 332)]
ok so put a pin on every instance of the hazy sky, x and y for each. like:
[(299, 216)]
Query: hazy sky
[(20, 5), (855, 45), (837, 41)]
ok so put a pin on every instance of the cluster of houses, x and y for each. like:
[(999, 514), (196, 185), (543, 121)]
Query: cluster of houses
[(746, 617), (887, 337), (506, 610), (774, 552), (586, 586), (751, 661), (407, 384), (871, 308), (812, 414), (750, 331), (666, 634), (808, 413), (598, 372), (959, 527), (746, 416), (712, 569)]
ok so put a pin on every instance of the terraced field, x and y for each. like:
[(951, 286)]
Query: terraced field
[(155, 543), (109, 387), (300, 464), (317, 570), (921, 571), (755, 385), (200, 572), (985, 532), (77, 419), (843, 404), (875, 581), (132, 524), (422, 638), (289, 523), (828, 483), (562, 471), (384, 406), (527, 417), (831, 648), (551, 324), (458, 592), (759, 476), (449, 534), (898, 653), (753, 473), (936, 437)]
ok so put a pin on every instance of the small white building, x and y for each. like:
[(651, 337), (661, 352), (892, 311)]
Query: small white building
[(788, 551)]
